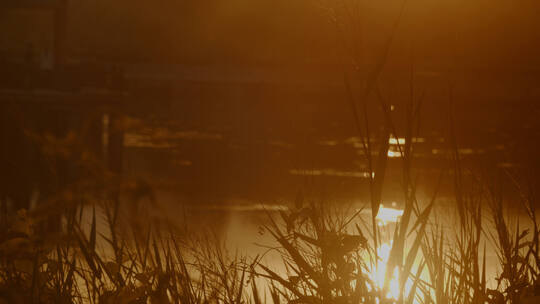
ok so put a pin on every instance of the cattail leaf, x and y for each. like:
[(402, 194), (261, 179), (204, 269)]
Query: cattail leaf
[(92, 241)]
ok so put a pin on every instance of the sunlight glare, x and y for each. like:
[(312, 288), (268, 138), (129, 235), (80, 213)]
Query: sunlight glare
[(388, 215), (378, 272), (396, 141), (377, 275), (393, 154)]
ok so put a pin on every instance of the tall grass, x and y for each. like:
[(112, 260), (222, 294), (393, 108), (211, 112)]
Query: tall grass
[(93, 267)]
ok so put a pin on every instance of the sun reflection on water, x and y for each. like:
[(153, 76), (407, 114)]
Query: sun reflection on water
[(378, 274), (377, 271), (388, 215)]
